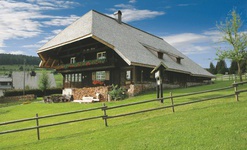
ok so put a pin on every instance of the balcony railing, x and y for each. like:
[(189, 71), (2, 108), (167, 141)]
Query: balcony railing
[(81, 64)]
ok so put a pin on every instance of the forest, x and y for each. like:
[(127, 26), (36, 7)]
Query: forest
[(11, 59), (221, 67)]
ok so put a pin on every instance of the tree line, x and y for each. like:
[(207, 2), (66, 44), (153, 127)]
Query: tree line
[(11, 59), (221, 67)]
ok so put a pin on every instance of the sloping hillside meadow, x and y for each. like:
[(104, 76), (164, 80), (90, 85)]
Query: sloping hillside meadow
[(215, 124)]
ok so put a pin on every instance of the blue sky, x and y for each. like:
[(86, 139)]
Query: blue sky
[(188, 25)]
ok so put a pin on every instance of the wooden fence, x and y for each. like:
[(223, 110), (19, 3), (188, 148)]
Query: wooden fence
[(104, 108), (230, 77)]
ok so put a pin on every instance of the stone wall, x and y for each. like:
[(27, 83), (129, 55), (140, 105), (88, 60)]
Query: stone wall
[(78, 93), (135, 89)]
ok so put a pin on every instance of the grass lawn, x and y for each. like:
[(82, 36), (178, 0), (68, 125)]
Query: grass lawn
[(216, 124)]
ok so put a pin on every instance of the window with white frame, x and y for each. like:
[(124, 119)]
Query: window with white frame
[(76, 77), (100, 75), (128, 75), (79, 77), (101, 55), (69, 79), (72, 60), (66, 77), (72, 77)]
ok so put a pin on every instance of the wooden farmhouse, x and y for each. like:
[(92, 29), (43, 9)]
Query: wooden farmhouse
[(97, 51)]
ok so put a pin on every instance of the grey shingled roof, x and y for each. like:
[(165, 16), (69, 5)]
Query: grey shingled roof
[(129, 42)]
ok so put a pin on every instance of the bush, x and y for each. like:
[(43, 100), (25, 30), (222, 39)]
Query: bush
[(117, 93), (36, 92)]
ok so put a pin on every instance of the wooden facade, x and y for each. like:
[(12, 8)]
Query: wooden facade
[(90, 63)]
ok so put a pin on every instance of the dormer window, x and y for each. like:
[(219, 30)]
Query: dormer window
[(72, 60), (101, 55), (178, 60), (160, 55)]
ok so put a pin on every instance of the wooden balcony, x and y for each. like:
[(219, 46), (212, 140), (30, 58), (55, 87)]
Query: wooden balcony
[(88, 63)]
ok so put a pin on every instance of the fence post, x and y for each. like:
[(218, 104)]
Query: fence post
[(105, 115), (236, 90), (37, 123), (172, 102)]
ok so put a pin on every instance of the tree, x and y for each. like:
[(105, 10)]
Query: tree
[(233, 68), (212, 68), (243, 66), (44, 82), (221, 67), (236, 39)]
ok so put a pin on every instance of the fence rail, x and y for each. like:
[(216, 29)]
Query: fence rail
[(104, 108)]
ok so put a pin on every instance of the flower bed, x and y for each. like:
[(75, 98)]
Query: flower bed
[(81, 64)]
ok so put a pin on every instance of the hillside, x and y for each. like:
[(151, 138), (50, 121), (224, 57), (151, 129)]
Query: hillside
[(10, 59), (217, 124)]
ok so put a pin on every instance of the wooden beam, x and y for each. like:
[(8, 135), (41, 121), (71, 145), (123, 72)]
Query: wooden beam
[(103, 42), (80, 46)]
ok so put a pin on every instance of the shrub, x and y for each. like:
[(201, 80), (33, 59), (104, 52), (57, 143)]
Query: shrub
[(117, 93)]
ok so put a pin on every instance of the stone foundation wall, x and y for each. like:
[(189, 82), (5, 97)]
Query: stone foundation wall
[(78, 93), (135, 89)]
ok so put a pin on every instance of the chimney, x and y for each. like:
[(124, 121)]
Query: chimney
[(118, 16)]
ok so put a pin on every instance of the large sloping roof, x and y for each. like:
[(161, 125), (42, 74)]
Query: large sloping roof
[(132, 44)]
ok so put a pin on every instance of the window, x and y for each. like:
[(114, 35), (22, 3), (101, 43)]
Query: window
[(101, 55), (100, 75), (128, 75), (160, 55), (72, 60), (66, 77), (76, 77), (72, 78), (79, 77), (179, 60)]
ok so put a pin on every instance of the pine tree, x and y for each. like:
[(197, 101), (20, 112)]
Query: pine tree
[(212, 68), (221, 67), (233, 68), (243, 66)]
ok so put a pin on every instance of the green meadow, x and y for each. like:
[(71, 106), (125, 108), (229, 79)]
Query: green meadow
[(215, 124)]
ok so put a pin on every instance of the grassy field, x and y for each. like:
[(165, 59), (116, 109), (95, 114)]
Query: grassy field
[(218, 124)]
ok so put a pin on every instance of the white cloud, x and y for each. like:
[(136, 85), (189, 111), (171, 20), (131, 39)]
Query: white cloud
[(214, 35), (132, 1), (185, 38), (25, 19), (193, 43), (16, 52), (56, 31), (130, 13), (185, 5), (61, 21), (2, 51), (45, 40)]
